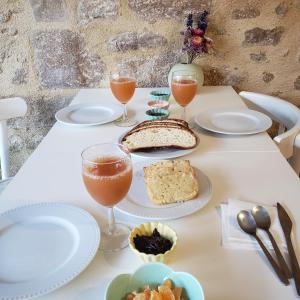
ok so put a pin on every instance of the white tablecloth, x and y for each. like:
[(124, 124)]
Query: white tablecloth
[(249, 168)]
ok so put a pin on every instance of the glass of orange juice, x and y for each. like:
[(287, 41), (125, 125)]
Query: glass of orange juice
[(107, 176), (122, 85), (184, 87)]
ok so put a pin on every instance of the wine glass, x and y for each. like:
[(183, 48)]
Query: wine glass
[(107, 175), (122, 85), (184, 87)]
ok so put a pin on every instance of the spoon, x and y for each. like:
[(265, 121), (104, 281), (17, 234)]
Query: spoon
[(263, 221), (247, 223)]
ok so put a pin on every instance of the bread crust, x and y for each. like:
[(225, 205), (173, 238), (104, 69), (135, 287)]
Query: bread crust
[(161, 124)]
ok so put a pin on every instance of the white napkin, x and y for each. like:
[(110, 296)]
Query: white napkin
[(233, 237)]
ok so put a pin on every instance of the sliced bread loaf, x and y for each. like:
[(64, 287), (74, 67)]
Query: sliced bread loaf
[(157, 135), (171, 181)]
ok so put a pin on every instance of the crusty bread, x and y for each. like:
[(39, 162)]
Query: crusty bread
[(158, 134), (170, 181), (168, 121)]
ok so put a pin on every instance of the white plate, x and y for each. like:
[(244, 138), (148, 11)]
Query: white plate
[(233, 121), (138, 204), (88, 114), (43, 247), (160, 153)]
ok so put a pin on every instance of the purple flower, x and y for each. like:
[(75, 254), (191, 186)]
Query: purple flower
[(194, 42)]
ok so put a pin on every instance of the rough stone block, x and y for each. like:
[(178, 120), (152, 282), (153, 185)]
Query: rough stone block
[(222, 76), (258, 57), (297, 83), (282, 9), (152, 71), (41, 112), (27, 132), (154, 10), (49, 10), (263, 37), (245, 13), (63, 61), (5, 16), (20, 76), (268, 77), (94, 9), (134, 41), (22, 142)]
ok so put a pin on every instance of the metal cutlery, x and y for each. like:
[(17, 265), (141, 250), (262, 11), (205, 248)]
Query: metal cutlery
[(248, 224), (263, 221), (286, 224)]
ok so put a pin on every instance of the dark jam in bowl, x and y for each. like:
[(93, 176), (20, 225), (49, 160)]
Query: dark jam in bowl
[(152, 244)]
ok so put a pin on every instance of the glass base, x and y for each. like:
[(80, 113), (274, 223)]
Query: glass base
[(115, 241), (125, 123)]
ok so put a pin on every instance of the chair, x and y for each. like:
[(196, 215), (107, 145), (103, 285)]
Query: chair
[(9, 108), (287, 115)]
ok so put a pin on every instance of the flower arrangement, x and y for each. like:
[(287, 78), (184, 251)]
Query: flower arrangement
[(195, 42)]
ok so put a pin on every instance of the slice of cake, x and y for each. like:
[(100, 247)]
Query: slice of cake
[(170, 181)]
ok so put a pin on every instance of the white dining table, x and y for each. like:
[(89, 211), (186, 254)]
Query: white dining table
[(250, 168)]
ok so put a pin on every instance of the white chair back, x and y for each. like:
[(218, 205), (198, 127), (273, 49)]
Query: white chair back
[(9, 108), (284, 113)]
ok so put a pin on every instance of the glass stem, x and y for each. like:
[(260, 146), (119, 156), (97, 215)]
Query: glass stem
[(111, 220), (183, 117), (124, 112)]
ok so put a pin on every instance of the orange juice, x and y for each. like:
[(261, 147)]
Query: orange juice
[(184, 90), (108, 180), (123, 88)]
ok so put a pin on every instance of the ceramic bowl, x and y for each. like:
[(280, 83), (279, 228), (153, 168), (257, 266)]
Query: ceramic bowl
[(158, 104), (160, 95), (157, 114), (147, 229), (153, 274)]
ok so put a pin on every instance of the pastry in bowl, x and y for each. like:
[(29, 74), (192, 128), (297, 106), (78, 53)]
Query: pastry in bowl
[(160, 134), (166, 291), (170, 181), (155, 275)]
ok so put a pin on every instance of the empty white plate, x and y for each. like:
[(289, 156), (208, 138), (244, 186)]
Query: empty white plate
[(233, 121), (138, 204), (43, 247), (89, 114)]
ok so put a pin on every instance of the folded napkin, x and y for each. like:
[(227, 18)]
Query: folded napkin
[(233, 237)]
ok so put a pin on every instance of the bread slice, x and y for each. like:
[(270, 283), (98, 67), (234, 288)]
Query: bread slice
[(170, 181), (157, 135), (168, 121)]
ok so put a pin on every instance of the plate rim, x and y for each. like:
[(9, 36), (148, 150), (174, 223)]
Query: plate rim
[(116, 108), (206, 199), (252, 112), (91, 253)]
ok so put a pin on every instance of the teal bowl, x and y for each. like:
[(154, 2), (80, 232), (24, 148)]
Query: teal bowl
[(157, 114), (160, 95), (153, 274)]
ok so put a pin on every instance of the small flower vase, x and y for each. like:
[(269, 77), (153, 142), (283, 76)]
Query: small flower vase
[(188, 67)]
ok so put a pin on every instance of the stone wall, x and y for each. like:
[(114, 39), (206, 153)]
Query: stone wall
[(51, 48)]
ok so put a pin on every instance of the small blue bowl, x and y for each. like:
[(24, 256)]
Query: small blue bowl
[(160, 95), (157, 114), (153, 274)]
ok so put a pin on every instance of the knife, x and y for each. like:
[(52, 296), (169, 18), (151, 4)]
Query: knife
[(286, 224)]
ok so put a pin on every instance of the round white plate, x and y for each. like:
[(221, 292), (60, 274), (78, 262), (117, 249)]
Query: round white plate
[(233, 121), (138, 204), (43, 247), (88, 114), (160, 153)]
